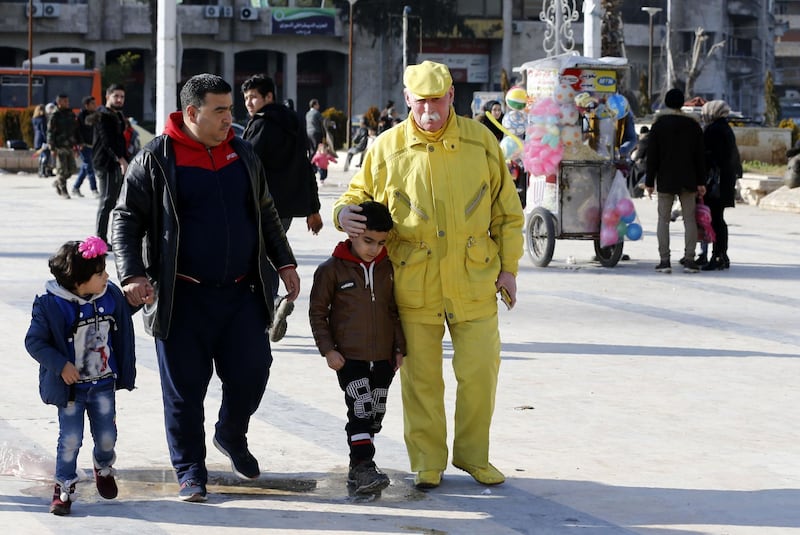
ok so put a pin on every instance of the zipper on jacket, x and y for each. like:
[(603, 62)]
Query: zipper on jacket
[(165, 150), (472, 205), (407, 201)]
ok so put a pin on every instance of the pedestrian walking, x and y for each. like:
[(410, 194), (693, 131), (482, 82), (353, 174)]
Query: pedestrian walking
[(195, 232), (85, 147), (456, 242), (357, 329), (81, 334), (62, 138)]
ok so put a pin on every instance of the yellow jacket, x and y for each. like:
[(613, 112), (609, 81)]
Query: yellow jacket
[(457, 218)]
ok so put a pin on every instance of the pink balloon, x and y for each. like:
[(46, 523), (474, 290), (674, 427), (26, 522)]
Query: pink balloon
[(625, 206), (608, 236)]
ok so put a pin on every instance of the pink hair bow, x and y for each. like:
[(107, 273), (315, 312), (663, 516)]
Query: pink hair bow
[(93, 247)]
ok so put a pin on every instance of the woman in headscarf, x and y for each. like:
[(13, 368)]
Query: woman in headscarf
[(721, 155), (496, 109)]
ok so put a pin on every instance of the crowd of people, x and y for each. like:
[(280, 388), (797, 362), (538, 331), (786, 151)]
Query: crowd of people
[(413, 264)]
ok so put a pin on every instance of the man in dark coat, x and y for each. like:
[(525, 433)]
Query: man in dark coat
[(195, 236), (676, 166), (109, 153), (278, 140)]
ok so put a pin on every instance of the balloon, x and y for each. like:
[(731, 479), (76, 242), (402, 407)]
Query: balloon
[(622, 228), (515, 121), (617, 105), (611, 218), (625, 206), (570, 135), (564, 93), (516, 98), (569, 114), (608, 236), (630, 218), (511, 150), (634, 231)]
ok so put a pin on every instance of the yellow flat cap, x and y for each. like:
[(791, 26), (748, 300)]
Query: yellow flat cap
[(428, 79)]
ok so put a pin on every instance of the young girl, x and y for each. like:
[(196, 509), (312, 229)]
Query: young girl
[(81, 334), (322, 159)]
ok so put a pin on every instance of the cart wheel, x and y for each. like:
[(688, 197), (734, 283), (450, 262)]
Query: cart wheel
[(540, 236), (608, 256)]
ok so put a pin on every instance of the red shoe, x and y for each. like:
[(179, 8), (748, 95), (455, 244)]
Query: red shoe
[(106, 485), (62, 500)]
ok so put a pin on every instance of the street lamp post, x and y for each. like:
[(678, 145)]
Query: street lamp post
[(350, 76), (30, 53), (652, 11)]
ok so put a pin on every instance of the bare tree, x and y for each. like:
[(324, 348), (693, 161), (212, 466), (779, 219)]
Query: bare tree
[(697, 60)]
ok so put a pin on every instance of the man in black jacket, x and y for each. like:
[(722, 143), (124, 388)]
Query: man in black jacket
[(109, 153), (195, 232), (676, 165), (279, 141)]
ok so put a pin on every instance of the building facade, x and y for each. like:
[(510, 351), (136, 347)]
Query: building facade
[(304, 47)]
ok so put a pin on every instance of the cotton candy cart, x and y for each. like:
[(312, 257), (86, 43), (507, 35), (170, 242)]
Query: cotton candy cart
[(570, 208), (572, 108)]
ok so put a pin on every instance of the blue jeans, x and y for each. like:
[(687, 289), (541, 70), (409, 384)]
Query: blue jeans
[(99, 403), (87, 170)]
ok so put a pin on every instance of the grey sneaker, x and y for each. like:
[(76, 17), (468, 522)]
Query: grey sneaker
[(77, 192), (664, 267), (366, 478), (283, 309)]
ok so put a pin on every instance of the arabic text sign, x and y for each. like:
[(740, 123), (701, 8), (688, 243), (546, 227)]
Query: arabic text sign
[(303, 21)]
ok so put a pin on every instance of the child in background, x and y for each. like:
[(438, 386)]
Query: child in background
[(357, 329), (322, 159), (81, 334)]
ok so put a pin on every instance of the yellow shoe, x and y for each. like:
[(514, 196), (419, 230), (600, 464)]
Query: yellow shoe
[(428, 479), (485, 476)]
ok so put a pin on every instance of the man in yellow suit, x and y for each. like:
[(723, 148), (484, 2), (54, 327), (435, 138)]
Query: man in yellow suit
[(456, 242)]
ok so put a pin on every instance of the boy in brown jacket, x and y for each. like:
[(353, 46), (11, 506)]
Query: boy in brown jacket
[(357, 329)]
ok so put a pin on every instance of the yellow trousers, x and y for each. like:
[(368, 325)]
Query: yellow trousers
[(476, 363)]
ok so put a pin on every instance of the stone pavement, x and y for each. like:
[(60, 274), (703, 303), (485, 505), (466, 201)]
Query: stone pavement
[(629, 402)]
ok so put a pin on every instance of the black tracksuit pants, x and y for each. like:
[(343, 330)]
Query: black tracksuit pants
[(366, 386), (222, 328)]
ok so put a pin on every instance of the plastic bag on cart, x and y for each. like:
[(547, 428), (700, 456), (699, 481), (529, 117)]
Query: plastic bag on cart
[(619, 219)]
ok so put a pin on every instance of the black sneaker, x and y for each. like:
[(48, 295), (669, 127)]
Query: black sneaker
[(62, 500), (192, 491), (243, 464), (664, 267), (689, 266), (106, 485), (366, 478)]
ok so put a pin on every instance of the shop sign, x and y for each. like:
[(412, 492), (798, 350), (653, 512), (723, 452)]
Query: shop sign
[(469, 68), (303, 21)]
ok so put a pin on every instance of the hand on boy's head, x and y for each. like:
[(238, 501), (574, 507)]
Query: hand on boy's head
[(335, 360), (351, 220), (69, 373)]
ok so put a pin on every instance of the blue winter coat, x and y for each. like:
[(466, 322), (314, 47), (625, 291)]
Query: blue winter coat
[(48, 342)]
